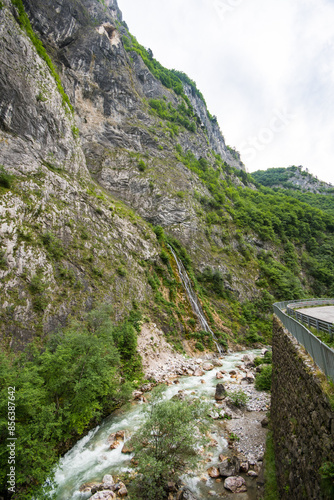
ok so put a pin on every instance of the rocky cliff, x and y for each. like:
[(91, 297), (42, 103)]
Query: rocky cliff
[(79, 137)]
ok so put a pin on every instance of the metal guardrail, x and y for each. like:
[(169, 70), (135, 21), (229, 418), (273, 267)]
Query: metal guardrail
[(320, 325), (322, 355)]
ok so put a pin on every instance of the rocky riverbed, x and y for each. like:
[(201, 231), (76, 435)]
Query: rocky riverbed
[(99, 465)]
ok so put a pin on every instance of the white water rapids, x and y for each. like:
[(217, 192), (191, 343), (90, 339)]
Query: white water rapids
[(91, 458)]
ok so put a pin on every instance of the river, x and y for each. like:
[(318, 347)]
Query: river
[(90, 459)]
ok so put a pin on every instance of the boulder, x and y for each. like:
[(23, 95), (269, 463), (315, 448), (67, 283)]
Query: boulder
[(108, 482), (236, 484), (104, 495), (213, 472), (220, 392), (219, 375), (203, 381), (137, 394), (115, 439), (88, 487), (217, 362), (207, 367), (198, 372), (252, 473), (188, 495), (229, 467), (226, 468), (147, 387), (244, 467), (122, 492), (265, 422), (127, 448)]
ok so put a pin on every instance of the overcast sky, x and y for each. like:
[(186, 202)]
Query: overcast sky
[(265, 68)]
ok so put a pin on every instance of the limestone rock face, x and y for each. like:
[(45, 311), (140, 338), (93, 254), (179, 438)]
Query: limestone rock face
[(80, 139)]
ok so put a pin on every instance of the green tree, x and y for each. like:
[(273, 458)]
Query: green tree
[(167, 444)]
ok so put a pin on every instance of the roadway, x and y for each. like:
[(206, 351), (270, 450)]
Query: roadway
[(324, 313)]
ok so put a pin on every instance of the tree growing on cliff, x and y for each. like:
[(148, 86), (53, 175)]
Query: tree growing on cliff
[(167, 443)]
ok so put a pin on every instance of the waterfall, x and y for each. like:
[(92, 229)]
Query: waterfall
[(195, 303)]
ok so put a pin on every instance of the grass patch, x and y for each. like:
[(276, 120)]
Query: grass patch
[(270, 485)]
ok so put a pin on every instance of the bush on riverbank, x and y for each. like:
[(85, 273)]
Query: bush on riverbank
[(263, 379), (167, 444)]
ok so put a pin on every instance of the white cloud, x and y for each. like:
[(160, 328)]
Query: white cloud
[(250, 59)]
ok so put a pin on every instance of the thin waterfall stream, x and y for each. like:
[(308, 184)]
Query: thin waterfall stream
[(195, 303)]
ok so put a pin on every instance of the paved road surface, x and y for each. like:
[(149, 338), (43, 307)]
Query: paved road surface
[(325, 313)]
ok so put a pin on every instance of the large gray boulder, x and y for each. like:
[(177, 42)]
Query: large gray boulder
[(220, 393), (236, 484)]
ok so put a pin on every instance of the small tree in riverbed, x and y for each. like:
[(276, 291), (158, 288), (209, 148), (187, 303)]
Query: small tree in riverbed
[(167, 444)]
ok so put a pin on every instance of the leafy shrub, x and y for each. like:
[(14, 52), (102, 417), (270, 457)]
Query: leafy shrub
[(142, 166), (160, 234), (41, 97), (164, 257), (263, 379), (239, 398), (75, 132), (53, 245), (181, 194), (252, 336), (3, 261), (6, 179), (172, 433), (327, 478), (264, 360), (199, 346), (121, 271), (181, 115), (37, 288)]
